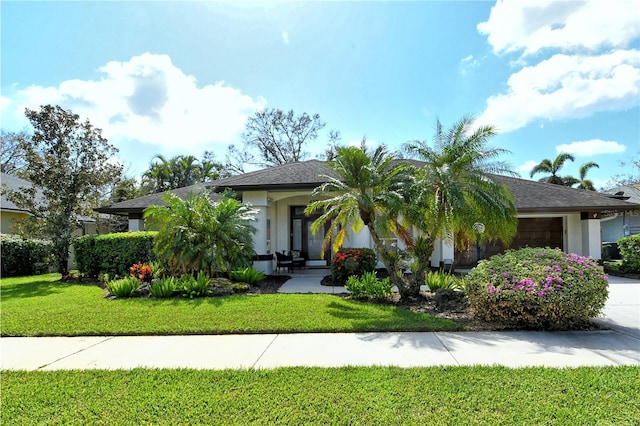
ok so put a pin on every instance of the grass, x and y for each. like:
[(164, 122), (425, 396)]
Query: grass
[(42, 306), (350, 395)]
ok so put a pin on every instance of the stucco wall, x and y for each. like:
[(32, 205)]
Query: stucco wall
[(7, 219)]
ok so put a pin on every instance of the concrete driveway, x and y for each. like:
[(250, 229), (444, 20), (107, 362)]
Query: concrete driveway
[(622, 311)]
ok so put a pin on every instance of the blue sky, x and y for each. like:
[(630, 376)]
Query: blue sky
[(182, 77)]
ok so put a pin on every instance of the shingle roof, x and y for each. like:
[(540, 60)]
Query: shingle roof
[(299, 175), (530, 196), (13, 183), (139, 204)]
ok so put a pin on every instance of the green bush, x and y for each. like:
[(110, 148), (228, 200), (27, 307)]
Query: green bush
[(537, 288), (194, 287), (440, 279), (24, 256), (630, 251), (250, 276), (352, 261), (198, 234), (368, 286), (113, 254), (163, 288), (124, 287)]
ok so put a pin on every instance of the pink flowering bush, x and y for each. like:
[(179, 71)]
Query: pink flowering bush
[(537, 288)]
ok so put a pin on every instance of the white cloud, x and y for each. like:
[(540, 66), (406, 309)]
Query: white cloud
[(525, 169), (285, 37), (469, 63), (4, 103), (591, 147), (530, 26), (566, 86), (150, 100)]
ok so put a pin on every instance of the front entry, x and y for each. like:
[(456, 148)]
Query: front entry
[(305, 241)]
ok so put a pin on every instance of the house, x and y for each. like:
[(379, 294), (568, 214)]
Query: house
[(10, 213), (618, 224), (549, 215)]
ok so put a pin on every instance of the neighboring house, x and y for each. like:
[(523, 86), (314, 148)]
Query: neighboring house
[(549, 215), (616, 224), (10, 213)]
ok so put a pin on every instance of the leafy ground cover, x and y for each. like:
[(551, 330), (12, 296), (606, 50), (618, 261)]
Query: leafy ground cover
[(43, 306), (349, 395)]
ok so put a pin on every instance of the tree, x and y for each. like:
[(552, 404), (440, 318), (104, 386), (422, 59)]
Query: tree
[(125, 188), (553, 167), (182, 170), (12, 157), (369, 191), (583, 182), (69, 161), (455, 189), (279, 137), (197, 234)]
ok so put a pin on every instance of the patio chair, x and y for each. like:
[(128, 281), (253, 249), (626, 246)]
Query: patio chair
[(283, 261), (299, 259)]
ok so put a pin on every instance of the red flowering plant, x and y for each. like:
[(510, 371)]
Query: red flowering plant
[(352, 261), (143, 273)]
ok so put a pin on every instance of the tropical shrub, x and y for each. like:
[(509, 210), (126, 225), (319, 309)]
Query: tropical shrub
[(143, 273), (436, 280), (24, 256), (194, 287), (352, 261), (113, 253), (197, 234), (124, 287), (250, 276), (630, 250), (537, 288), (163, 288), (368, 286)]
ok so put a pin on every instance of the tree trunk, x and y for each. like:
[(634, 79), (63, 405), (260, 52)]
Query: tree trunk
[(406, 288)]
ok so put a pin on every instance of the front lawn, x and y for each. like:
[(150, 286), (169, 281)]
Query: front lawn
[(42, 306), (349, 395)]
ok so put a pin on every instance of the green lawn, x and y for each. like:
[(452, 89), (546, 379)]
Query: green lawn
[(41, 306), (355, 396)]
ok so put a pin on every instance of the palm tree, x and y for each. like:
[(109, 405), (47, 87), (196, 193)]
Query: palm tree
[(583, 182), (547, 166), (197, 234), (456, 188), (369, 190)]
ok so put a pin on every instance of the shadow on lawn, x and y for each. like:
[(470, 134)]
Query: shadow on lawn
[(33, 289), (396, 319)]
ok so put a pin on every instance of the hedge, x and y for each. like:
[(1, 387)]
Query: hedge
[(113, 254), (630, 250), (24, 256)]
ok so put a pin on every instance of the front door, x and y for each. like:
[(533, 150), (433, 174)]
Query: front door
[(305, 241)]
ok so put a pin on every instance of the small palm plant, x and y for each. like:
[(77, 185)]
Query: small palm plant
[(163, 288), (125, 287), (198, 234), (439, 280), (194, 287), (250, 276)]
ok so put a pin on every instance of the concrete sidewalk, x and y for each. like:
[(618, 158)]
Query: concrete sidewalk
[(511, 349), (618, 346)]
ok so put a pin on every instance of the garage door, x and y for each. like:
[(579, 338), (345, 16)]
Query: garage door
[(532, 232)]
